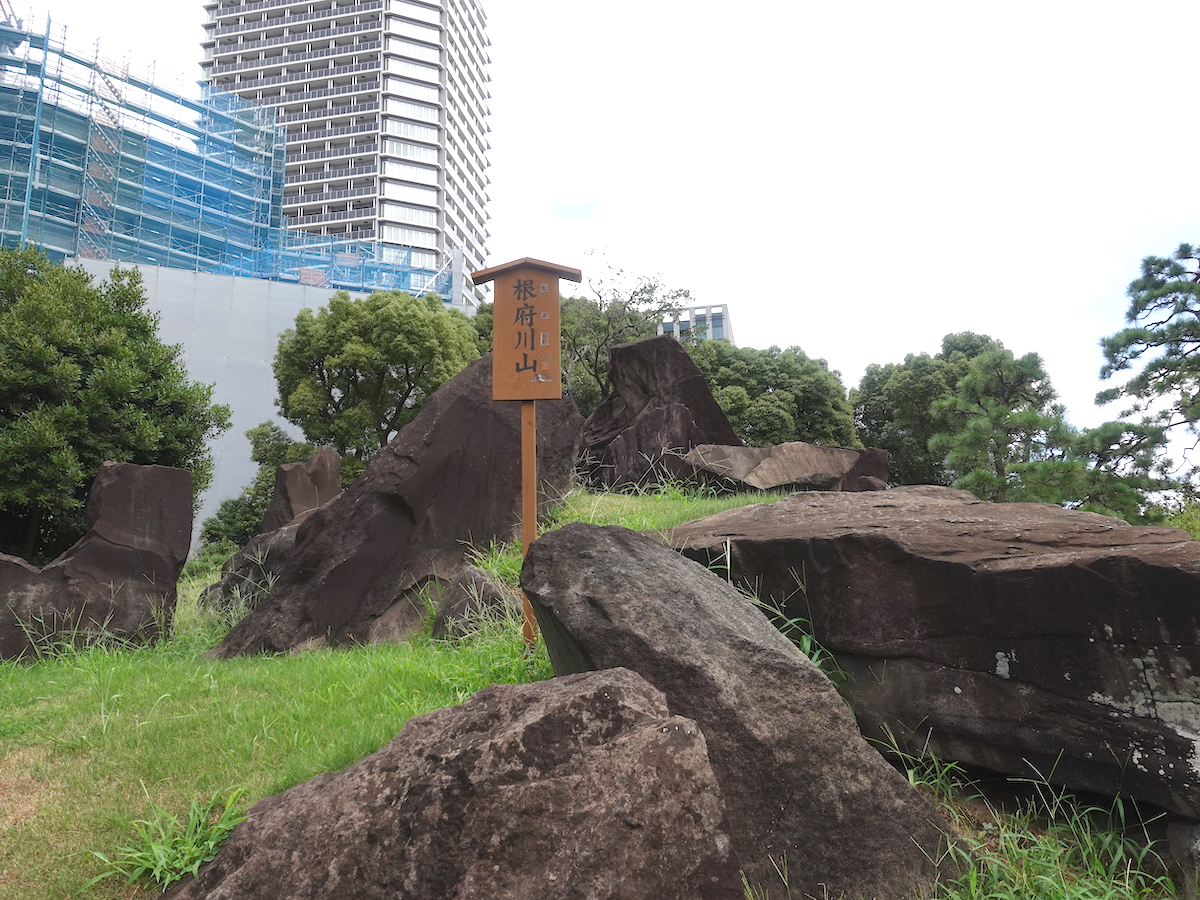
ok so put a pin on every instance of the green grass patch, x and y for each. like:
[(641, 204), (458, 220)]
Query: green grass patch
[(119, 761), (97, 740)]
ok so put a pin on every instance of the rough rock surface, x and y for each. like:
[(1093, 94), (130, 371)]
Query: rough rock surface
[(300, 487), (365, 562), (247, 576), (119, 578), (1015, 636), (582, 787), (800, 784), (660, 407), (795, 465)]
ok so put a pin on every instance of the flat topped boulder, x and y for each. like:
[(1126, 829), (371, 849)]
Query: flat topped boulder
[(792, 465), (1015, 636)]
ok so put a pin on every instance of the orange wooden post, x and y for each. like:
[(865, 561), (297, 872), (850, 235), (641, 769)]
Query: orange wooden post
[(527, 366)]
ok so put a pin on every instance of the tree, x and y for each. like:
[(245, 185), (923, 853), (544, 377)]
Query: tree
[(84, 378), (356, 371), (1000, 414), (772, 396), (592, 326), (894, 406), (1163, 337), (1005, 439), (238, 519), (482, 322)]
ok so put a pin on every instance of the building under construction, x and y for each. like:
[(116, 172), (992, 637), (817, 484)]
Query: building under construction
[(99, 163)]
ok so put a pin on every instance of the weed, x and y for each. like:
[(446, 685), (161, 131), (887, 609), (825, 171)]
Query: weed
[(166, 848)]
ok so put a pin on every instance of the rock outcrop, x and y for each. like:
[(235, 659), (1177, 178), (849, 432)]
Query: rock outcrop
[(660, 407), (1020, 637), (583, 787), (795, 465), (119, 579), (300, 487), (802, 788), (367, 562)]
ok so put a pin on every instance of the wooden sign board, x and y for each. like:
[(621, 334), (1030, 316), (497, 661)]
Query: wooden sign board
[(526, 329)]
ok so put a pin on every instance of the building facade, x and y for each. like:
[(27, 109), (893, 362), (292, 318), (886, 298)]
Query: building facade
[(384, 103), (708, 323)]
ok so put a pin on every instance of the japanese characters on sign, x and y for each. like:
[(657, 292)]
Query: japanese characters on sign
[(526, 344)]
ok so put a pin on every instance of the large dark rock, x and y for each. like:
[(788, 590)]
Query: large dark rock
[(583, 787), (660, 407), (801, 786), (795, 465), (300, 487), (119, 579), (1017, 636), (367, 562)]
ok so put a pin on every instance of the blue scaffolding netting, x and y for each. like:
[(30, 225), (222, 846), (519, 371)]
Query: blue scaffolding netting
[(97, 162)]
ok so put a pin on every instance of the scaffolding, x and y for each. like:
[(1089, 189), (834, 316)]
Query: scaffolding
[(97, 162)]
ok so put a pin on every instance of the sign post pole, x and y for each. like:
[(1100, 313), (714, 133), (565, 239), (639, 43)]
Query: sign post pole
[(527, 366)]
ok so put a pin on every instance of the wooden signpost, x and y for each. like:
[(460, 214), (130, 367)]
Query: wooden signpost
[(527, 366)]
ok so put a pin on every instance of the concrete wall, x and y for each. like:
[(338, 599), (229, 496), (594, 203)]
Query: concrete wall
[(229, 328)]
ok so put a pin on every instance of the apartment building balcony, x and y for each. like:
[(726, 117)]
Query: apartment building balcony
[(265, 43), (331, 153), (343, 12), (323, 218), (329, 112), (294, 98), (332, 174), (241, 87), (350, 50), (324, 197)]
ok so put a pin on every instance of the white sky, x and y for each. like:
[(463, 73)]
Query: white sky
[(858, 179)]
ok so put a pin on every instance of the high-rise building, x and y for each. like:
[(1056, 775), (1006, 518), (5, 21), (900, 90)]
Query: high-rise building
[(385, 106)]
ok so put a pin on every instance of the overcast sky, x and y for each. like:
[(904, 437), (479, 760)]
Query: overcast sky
[(858, 179)]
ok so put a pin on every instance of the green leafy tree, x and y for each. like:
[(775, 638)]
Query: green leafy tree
[(482, 322), (1000, 414), (773, 396), (84, 378), (1005, 439), (238, 519), (356, 371), (894, 406), (1163, 338), (614, 314)]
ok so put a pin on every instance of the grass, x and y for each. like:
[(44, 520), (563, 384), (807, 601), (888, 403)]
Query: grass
[(113, 758)]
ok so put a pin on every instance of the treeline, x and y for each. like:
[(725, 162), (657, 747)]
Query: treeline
[(84, 378)]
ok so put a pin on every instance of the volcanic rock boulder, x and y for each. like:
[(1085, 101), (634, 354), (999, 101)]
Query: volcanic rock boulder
[(795, 465), (660, 407), (367, 562), (1017, 636), (583, 787), (300, 487), (801, 786), (119, 578)]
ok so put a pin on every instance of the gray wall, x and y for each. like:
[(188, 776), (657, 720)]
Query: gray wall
[(229, 328)]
